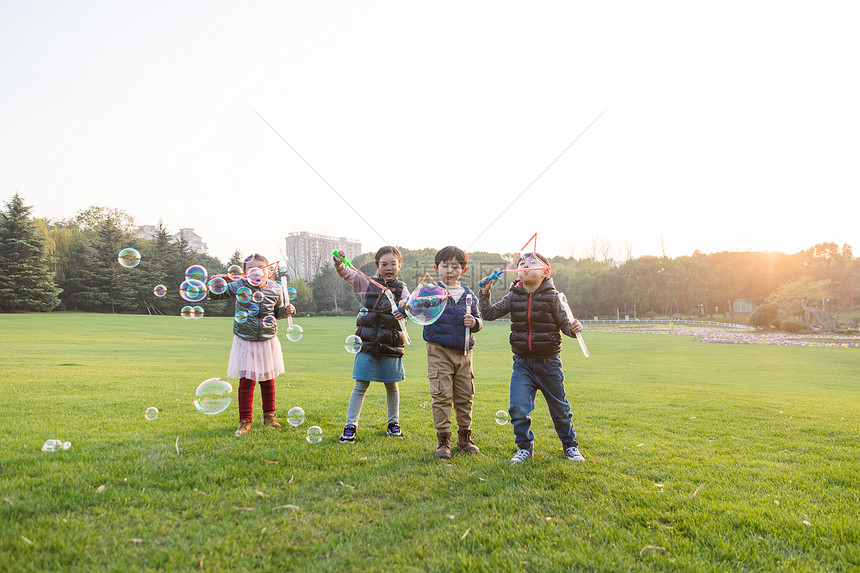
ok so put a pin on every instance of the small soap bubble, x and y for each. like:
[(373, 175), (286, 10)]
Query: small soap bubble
[(218, 285), (426, 303), (269, 321), (196, 272), (159, 290), (295, 333), (52, 445), (151, 414), (292, 293), (241, 316), (66, 445), (192, 290), (502, 417), (296, 416), (234, 271), (353, 344), (213, 396), (128, 257), (197, 312), (243, 295), (186, 312), (255, 276), (257, 297), (253, 310), (315, 435), (363, 311)]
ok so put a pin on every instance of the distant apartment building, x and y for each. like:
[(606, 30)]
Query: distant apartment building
[(307, 253), (194, 240)]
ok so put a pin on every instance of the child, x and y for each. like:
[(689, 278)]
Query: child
[(449, 356), (537, 315), (256, 352), (383, 342)]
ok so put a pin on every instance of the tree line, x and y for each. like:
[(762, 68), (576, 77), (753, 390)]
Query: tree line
[(72, 265)]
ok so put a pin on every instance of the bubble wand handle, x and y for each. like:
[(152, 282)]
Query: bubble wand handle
[(468, 313), (285, 286), (402, 323), (493, 277), (569, 312)]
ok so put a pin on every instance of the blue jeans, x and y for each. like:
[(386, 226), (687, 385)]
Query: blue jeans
[(529, 376)]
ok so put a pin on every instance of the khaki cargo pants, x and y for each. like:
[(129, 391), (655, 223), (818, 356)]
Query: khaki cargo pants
[(451, 382)]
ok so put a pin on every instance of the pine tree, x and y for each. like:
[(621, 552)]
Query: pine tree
[(26, 279)]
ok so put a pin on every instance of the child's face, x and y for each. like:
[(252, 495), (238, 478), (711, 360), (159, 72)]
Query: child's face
[(531, 271), (388, 267), (450, 272), (267, 270)]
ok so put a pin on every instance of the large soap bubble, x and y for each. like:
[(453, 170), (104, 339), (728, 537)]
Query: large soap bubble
[(243, 295), (196, 272), (426, 303), (296, 416), (217, 285), (213, 396), (128, 257), (353, 344), (295, 333), (192, 290)]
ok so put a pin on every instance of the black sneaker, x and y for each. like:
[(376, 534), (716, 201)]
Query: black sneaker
[(348, 435), (394, 430)]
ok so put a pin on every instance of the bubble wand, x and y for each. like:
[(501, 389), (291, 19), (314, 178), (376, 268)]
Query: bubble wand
[(570, 319), (468, 313), (285, 286), (342, 258)]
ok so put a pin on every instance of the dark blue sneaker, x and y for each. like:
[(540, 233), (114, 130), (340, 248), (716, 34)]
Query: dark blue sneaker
[(348, 435), (394, 430)]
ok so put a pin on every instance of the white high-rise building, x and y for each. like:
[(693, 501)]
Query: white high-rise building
[(307, 253)]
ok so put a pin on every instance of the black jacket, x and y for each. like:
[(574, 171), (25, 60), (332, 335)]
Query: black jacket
[(378, 329)]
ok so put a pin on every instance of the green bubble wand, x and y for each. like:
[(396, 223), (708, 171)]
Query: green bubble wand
[(339, 255)]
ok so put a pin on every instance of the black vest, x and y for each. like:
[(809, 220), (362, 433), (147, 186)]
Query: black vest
[(378, 329), (534, 331)]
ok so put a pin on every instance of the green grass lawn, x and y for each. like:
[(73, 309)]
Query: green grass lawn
[(700, 457)]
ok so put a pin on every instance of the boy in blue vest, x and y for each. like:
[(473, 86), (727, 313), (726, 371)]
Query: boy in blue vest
[(537, 320), (449, 355)]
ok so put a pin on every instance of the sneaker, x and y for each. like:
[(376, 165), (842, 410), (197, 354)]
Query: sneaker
[(348, 435), (521, 456), (572, 453), (394, 430)]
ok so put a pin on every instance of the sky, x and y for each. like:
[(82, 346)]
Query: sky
[(614, 128)]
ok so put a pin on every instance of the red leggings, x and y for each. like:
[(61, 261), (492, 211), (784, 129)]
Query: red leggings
[(246, 397)]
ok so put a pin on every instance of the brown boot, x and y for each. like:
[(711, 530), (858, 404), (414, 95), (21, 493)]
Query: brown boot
[(443, 450), (244, 426), (465, 443), (270, 420)]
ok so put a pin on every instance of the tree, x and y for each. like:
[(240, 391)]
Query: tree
[(331, 292), (26, 279)]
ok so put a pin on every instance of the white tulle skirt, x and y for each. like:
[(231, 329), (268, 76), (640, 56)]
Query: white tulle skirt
[(255, 360)]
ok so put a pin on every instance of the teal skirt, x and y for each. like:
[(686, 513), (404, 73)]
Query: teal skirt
[(377, 368)]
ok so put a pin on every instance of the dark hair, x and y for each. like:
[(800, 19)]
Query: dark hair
[(254, 257), (388, 249), (451, 253)]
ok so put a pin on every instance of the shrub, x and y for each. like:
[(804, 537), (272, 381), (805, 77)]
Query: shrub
[(650, 315), (765, 316), (791, 324)]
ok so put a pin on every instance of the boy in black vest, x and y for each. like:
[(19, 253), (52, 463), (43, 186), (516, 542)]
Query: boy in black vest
[(449, 354), (537, 317)]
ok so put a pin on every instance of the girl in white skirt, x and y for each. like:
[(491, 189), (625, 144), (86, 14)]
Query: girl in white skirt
[(256, 352)]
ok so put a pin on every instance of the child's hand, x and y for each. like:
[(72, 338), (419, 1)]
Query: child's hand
[(576, 326), (291, 310), (469, 321), (398, 315), (487, 286)]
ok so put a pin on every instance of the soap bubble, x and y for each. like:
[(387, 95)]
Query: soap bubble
[(197, 312), (296, 416), (151, 414), (159, 290), (295, 333), (363, 311), (66, 445), (192, 290), (196, 272), (213, 396), (269, 321), (352, 344), (243, 295), (234, 271), (292, 293), (186, 312), (502, 417), (314, 435), (426, 303), (241, 316), (257, 297), (128, 257), (255, 276), (52, 445), (218, 285), (253, 310)]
